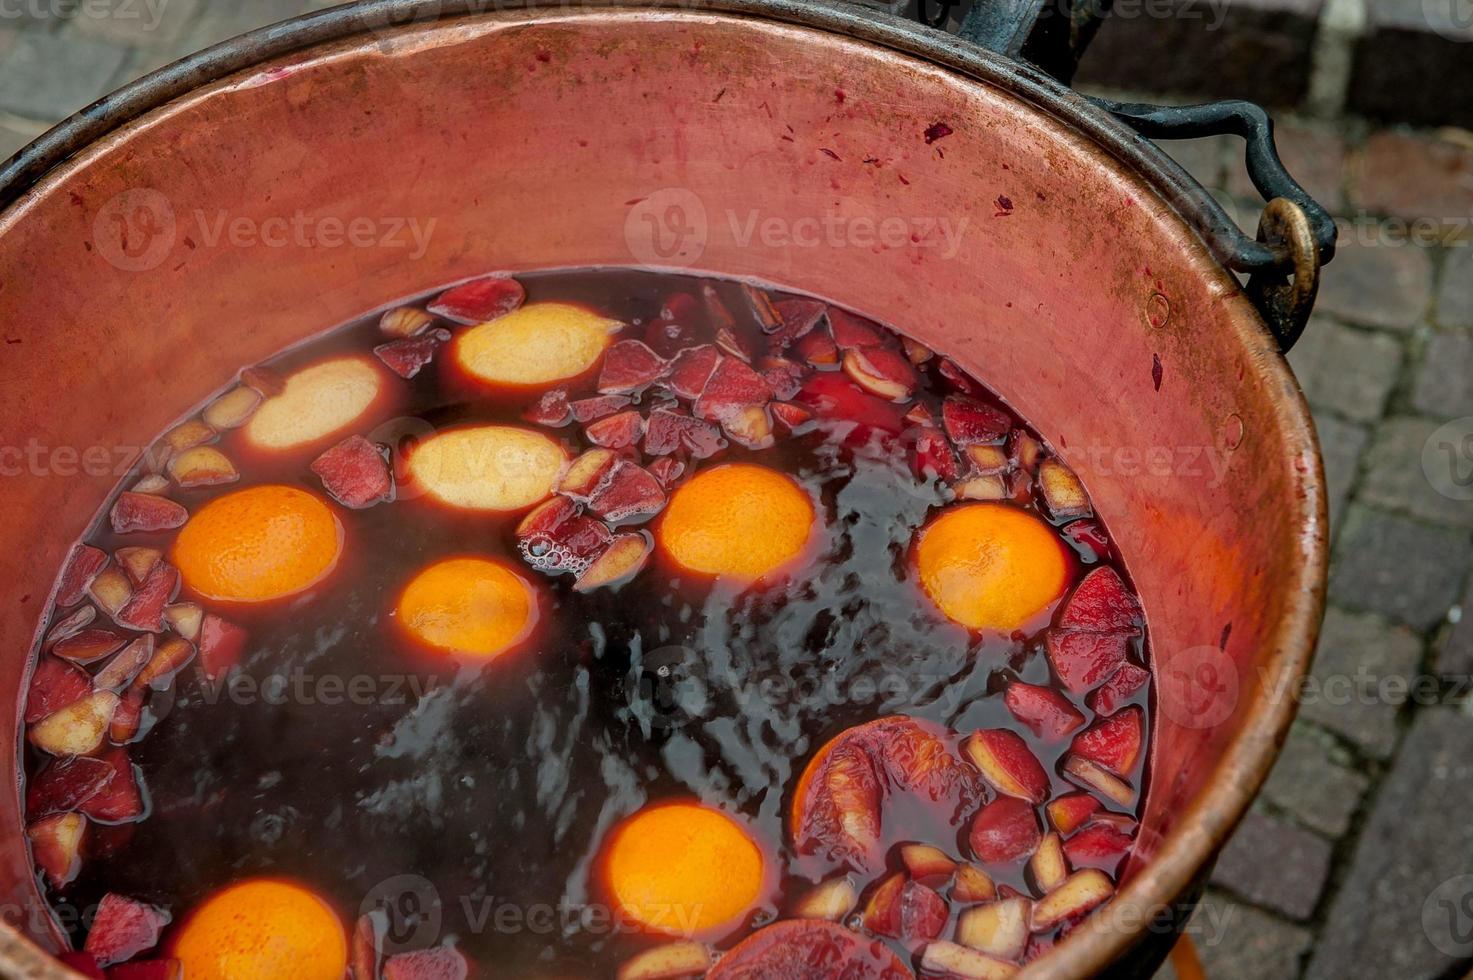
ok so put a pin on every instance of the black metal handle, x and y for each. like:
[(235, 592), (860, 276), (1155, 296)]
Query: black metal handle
[(1049, 34)]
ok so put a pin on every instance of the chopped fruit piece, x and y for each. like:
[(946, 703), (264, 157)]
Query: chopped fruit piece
[(668, 470), (950, 960), (441, 963), (1115, 692), (83, 963), (790, 415), (691, 370), (681, 306), (627, 492), (123, 928), (145, 609), (138, 562), (54, 685), (70, 625), (998, 928), (969, 421), (147, 970), (622, 560), (905, 910), (571, 545), (1091, 775), (591, 409), (671, 431), (981, 488), (783, 376), (1007, 763), (918, 352), (76, 729), (355, 473), (317, 403), (364, 951), (851, 331), (146, 512), (818, 349), (89, 645), (617, 431), (1063, 494), (790, 948), (1101, 604), (841, 796), (732, 389), (487, 467), (202, 466), (1048, 864), (797, 318), (1043, 710), (730, 336), (1005, 830), (586, 474), (538, 345), (472, 607), (750, 427), (120, 799), (479, 300), (404, 321), (65, 785), (972, 884), (630, 366), (925, 861), (683, 869), (990, 566), (934, 457), (258, 544), (837, 399), (187, 435), (763, 308), (262, 929), (987, 459), (82, 567), (55, 843), (221, 644), (919, 414), (128, 718), (111, 590), (171, 655), (958, 379), (154, 483), (1079, 894), (881, 372), (407, 357), (669, 962), (119, 672), (1113, 742), (1084, 660), (833, 900), (232, 409), (546, 517), (1100, 844), (1068, 813), (737, 521), (551, 409)]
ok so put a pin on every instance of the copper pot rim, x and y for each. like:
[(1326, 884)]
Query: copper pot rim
[(1204, 826)]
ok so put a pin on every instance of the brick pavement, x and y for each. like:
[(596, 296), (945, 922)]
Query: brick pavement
[(1338, 870)]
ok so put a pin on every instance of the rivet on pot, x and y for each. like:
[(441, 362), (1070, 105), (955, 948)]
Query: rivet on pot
[(1158, 310), (1233, 432)]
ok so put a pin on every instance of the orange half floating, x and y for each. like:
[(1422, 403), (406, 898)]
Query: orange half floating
[(468, 606), (991, 566), (737, 521)]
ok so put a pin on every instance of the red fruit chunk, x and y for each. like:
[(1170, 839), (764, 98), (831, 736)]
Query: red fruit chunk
[(800, 949), (550, 410), (1044, 711), (65, 785), (666, 469), (1088, 539), (629, 366), (88, 645), (83, 963), (790, 415), (628, 491), (683, 307), (363, 954), (479, 300), (121, 669), (146, 512), (406, 357), (145, 610), (221, 644), (732, 388), (1005, 830), (1069, 812), (55, 685), (851, 331), (691, 370), (427, 964), (127, 717), (1007, 763), (905, 910), (56, 845), (570, 546), (83, 566), (355, 472), (1110, 696), (147, 970), (1084, 660), (1113, 742), (120, 798), (1101, 604), (763, 308), (1098, 845), (798, 317), (70, 625), (672, 431), (171, 655), (969, 421), (736, 342), (616, 431), (882, 372), (958, 379), (934, 457), (123, 928), (818, 349), (836, 399), (589, 409), (783, 376)]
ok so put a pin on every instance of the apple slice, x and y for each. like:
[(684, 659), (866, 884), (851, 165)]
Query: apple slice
[(1114, 741), (617, 431), (817, 349), (988, 458), (750, 426), (89, 645), (186, 435), (836, 399), (1091, 775), (670, 430), (56, 842), (1068, 813), (668, 470), (851, 331), (783, 376), (408, 356), (184, 618), (972, 884), (118, 672), (128, 718), (763, 309), (968, 421), (221, 644), (147, 970), (169, 657), (1100, 844), (630, 366), (138, 562), (691, 369), (797, 319), (1079, 894), (232, 409), (144, 609), (404, 321), (621, 561), (154, 483), (934, 457), (992, 487), (1063, 494), (998, 928), (318, 401), (732, 388), (1004, 831), (546, 517), (926, 861), (905, 909), (917, 352), (123, 928), (202, 466), (479, 300), (363, 949), (355, 473), (1007, 763), (54, 685), (77, 729), (1048, 866), (833, 900), (1102, 604), (440, 963), (1084, 660), (627, 492), (70, 625), (64, 785), (1042, 710), (881, 372), (584, 475), (550, 409), (790, 416), (111, 590), (145, 512), (597, 407), (1110, 696), (120, 799), (669, 962), (81, 568), (1026, 451), (952, 960)]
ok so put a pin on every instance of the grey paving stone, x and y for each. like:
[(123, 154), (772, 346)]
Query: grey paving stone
[(1455, 289), (1205, 159), (1377, 281), (1309, 782), (1393, 565), (1413, 175), (1350, 371), (1273, 863), (1237, 942), (1341, 444), (1444, 382), (49, 76), (1453, 655), (1364, 673), (1411, 876), (1395, 478), (1314, 155)]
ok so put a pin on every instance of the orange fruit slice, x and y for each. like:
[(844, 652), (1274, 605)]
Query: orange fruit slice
[(738, 521), (487, 467), (539, 344), (258, 544), (683, 869), (990, 565), (262, 929), (474, 607), (316, 402)]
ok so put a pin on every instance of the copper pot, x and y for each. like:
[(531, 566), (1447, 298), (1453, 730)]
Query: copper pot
[(1078, 280)]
